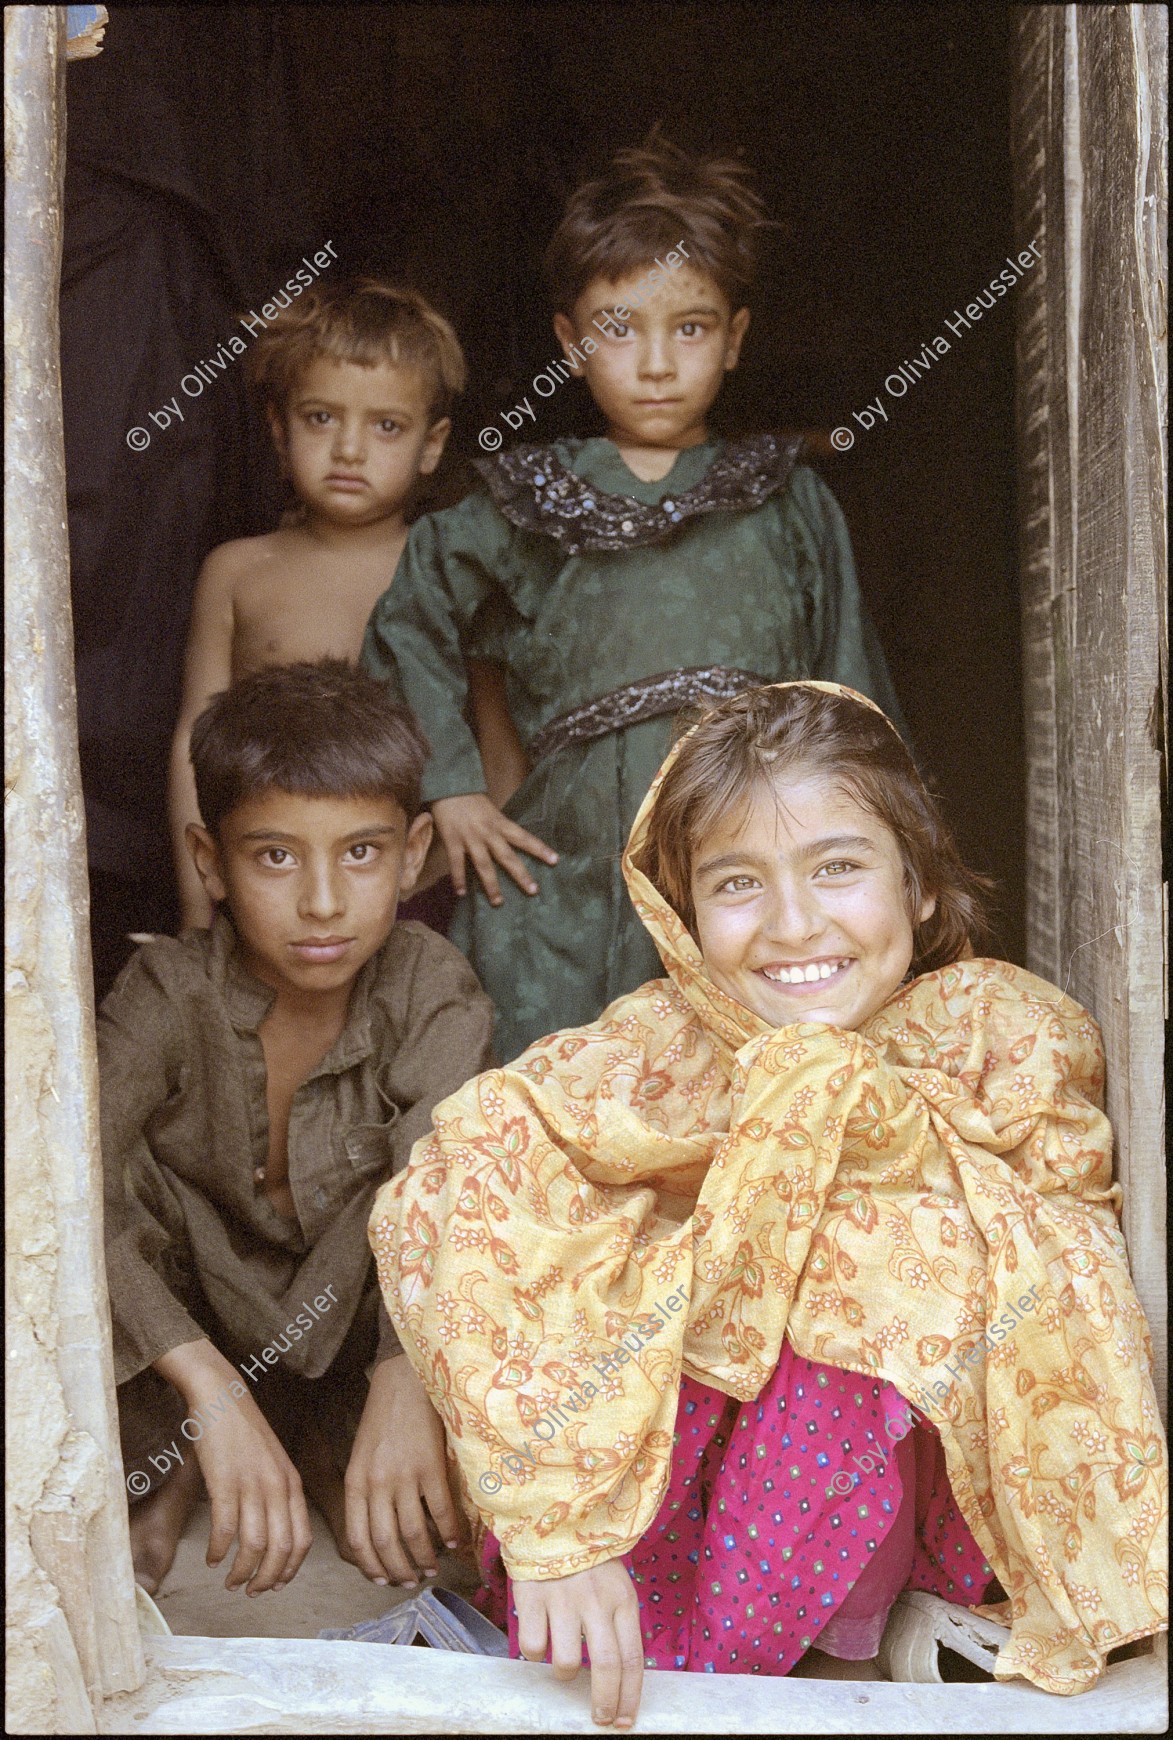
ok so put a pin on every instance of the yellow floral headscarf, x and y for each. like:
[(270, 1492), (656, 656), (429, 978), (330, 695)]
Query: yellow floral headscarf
[(679, 1187)]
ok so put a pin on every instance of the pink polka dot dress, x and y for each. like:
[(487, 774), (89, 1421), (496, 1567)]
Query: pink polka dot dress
[(792, 1520)]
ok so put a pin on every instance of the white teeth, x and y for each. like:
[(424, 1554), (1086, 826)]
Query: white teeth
[(805, 975)]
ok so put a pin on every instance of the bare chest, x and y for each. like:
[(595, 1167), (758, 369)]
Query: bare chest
[(284, 616), (290, 1057)]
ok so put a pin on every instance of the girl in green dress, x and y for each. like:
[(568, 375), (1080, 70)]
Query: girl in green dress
[(617, 580)]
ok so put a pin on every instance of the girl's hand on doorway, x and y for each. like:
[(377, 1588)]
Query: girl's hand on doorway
[(599, 1605), (473, 827)]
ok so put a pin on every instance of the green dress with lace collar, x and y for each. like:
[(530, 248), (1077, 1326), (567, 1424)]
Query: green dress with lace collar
[(582, 579)]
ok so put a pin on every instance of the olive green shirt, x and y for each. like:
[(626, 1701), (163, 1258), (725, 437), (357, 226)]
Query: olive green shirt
[(185, 1126)]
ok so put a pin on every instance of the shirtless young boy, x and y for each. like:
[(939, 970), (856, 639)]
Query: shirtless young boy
[(357, 383)]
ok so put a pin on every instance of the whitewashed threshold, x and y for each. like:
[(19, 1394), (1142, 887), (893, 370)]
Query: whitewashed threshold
[(245, 1685)]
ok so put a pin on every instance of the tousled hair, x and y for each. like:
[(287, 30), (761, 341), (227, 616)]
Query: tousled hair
[(322, 729), (749, 741), (647, 199), (367, 321)]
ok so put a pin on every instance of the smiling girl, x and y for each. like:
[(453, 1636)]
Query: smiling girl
[(852, 1144)]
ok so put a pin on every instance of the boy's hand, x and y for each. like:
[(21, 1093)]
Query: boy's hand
[(472, 826), (255, 1490), (398, 1465), (600, 1605)]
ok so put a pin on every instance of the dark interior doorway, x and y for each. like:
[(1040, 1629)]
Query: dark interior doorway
[(210, 147)]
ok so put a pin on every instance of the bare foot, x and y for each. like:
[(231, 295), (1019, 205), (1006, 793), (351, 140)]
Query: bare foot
[(817, 1666), (157, 1524)]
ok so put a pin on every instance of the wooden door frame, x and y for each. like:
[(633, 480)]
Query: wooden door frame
[(1090, 136), (1089, 91)]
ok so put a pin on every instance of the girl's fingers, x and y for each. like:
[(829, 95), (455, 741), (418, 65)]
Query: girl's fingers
[(566, 1630), (456, 861), (483, 864), (631, 1655), (510, 862), (609, 1619), (607, 1667), (532, 1629), (517, 836), (495, 846)]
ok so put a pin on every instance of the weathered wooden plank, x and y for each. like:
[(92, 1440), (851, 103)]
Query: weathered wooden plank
[(72, 1630), (1093, 488), (1031, 128), (203, 1685)]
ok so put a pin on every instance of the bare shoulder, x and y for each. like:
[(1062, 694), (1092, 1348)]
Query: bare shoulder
[(222, 571), (240, 558)]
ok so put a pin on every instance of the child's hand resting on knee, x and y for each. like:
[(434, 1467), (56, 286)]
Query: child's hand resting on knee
[(599, 1605), (472, 826), (255, 1490), (399, 1463)]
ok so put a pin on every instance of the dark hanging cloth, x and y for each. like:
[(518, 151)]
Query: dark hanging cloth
[(183, 203)]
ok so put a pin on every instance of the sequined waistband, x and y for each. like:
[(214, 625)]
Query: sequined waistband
[(650, 698)]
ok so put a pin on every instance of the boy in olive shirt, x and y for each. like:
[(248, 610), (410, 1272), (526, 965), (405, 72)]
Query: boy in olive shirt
[(259, 1081)]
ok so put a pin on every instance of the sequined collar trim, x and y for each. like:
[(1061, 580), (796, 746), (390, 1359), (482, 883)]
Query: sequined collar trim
[(537, 492)]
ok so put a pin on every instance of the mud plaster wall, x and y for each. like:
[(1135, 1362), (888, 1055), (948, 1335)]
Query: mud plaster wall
[(72, 1636)]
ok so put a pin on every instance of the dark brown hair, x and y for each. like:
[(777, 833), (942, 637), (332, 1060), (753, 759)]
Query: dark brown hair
[(325, 729), (368, 322), (747, 742), (649, 198)]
